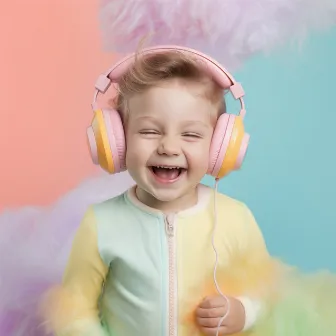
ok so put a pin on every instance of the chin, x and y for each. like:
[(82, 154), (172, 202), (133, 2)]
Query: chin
[(166, 195)]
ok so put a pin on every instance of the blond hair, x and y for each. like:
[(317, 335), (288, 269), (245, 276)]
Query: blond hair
[(149, 70)]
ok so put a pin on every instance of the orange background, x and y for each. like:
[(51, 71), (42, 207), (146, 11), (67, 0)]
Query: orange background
[(50, 58)]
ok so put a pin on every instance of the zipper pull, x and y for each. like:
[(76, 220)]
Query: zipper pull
[(170, 225)]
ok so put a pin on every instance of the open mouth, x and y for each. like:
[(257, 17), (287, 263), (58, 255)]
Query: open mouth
[(167, 173)]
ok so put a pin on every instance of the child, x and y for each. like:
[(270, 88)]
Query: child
[(143, 263), (150, 248)]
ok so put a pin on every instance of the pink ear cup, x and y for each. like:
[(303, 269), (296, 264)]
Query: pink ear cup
[(92, 145), (243, 151), (220, 143), (116, 136)]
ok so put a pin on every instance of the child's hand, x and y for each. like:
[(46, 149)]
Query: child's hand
[(212, 309)]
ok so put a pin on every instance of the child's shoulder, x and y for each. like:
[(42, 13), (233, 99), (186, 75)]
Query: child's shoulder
[(228, 207), (230, 201), (225, 201), (110, 204), (236, 212), (225, 206)]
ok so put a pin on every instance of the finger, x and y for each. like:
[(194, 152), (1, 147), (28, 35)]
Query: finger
[(213, 302), (213, 331), (210, 313), (208, 322)]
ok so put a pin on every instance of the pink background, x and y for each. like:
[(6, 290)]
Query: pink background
[(50, 58)]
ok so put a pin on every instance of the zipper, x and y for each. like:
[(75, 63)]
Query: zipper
[(170, 230)]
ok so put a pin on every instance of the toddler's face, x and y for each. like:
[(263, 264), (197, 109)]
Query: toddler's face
[(168, 134)]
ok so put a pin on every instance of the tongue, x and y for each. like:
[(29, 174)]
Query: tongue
[(166, 174)]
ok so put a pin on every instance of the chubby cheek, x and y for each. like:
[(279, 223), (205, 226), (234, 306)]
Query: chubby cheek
[(137, 153), (198, 159), (133, 155)]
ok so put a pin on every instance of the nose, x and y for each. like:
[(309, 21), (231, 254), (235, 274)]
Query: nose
[(169, 146)]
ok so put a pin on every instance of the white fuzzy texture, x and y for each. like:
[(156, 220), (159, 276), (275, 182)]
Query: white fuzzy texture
[(34, 246), (229, 30)]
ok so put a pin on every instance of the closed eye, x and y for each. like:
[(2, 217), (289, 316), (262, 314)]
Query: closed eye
[(192, 135), (149, 132)]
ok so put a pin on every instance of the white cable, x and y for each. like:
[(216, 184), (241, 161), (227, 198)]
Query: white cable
[(216, 262)]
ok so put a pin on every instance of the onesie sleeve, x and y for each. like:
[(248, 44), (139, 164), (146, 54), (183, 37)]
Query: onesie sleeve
[(72, 308), (258, 263), (253, 240)]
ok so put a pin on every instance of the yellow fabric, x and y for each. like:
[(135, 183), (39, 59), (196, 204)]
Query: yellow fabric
[(70, 308), (238, 241), (244, 265)]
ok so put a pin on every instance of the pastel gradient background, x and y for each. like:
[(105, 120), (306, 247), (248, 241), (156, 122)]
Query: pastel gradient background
[(50, 57), (289, 176)]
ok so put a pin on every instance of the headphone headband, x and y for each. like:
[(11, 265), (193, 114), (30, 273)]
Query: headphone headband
[(219, 74)]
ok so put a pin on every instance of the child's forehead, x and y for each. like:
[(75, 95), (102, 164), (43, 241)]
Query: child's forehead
[(172, 103), (172, 112), (171, 95)]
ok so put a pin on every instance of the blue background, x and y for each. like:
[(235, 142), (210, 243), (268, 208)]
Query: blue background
[(289, 175)]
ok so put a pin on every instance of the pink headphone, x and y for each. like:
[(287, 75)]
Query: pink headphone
[(106, 136)]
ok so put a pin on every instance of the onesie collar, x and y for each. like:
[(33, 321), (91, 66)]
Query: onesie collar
[(204, 196)]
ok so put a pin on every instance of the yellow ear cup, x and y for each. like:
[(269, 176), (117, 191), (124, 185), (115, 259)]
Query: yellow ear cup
[(105, 158), (233, 149)]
